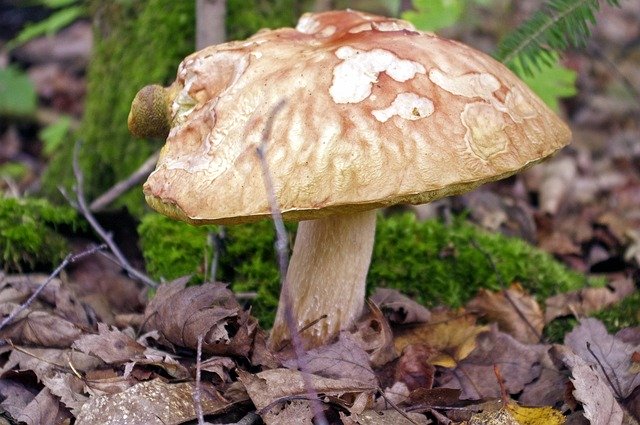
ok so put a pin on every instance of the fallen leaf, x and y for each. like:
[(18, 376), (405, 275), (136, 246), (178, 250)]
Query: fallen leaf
[(516, 312), (266, 387), (44, 409), (413, 367), (591, 341), (111, 346), (374, 335), (150, 403), (587, 300), (535, 415), (219, 366), (384, 417), (518, 364), (548, 387), (68, 388), (344, 359), (399, 308), (43, 362), (38, 328), (293, 412), (558, 177), (591, 389), (15, 396), (182, 314), (451, 333)]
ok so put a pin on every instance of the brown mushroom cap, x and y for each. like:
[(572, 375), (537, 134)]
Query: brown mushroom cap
[(376, 113)]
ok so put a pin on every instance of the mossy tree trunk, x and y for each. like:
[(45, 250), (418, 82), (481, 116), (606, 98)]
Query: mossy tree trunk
[(135, 43)]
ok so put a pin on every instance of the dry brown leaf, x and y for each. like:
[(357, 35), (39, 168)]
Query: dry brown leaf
[(413, 367), (384, 417), (218, 365), (68, 388), (293, 412), (516, 312), (210, 310), (151, 403), (44, 409), (112, 346), (475, 376), (591, 341), (374, 335), (270, 385), (587, 300), (547, 388), (15, 396), (399, 308), (44, 362), (451, 333), (344, 359), (591, 389), (558, 177), (153, 357), (39, 328)]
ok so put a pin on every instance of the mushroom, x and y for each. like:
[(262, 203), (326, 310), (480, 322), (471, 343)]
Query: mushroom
[(376, 113)]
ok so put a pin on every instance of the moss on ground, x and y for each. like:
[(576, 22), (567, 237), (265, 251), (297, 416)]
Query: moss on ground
[(429, 261), (29, 233)]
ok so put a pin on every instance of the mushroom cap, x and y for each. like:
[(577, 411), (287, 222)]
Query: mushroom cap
[(376, 113)]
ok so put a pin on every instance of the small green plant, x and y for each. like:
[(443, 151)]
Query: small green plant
[(17, 93), (29, 232), (429, 261)]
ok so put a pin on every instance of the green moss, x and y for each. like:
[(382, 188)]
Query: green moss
[(28, 234), (135, 43), (432, 262), (246, 17)]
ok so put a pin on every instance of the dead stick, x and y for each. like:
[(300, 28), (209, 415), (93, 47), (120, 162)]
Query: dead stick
[(104, 235), (283, 263), (197, 395), (67, 260), (122, 186)]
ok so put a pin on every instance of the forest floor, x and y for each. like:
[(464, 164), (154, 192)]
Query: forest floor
[(403, 363)]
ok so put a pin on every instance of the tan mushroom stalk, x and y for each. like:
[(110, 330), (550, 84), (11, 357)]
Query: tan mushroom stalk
[(376, 114)]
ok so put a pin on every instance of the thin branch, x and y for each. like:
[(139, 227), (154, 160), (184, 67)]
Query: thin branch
[(282, 250), (122, 186), (71, 258), (197, 395), (104, 235)]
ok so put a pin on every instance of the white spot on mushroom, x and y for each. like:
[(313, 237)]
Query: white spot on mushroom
[(485, 125), (480, 85), (257, 55), (353, 78), (307, 24), (409, 106)]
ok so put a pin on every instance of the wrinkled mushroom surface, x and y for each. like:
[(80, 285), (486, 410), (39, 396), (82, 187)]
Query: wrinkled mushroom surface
[(376, 113)]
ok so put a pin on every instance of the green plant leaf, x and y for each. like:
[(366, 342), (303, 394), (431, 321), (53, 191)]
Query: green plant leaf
[(51, 25), (433, 15), (550, 82), (54, 135), (17, 94)]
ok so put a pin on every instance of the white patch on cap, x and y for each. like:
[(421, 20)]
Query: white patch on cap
[(480, 85), (517, 106), (485, 125), (307, 24), (353, 78), (409, 106)]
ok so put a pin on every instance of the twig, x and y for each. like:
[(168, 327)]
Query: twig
[(282, 250), (395, 406), (122, 186), (197, 395), (71, 258), (106, 237)]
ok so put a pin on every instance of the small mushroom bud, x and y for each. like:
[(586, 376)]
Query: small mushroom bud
[(150, 115)]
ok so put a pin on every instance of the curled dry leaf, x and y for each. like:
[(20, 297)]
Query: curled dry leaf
[(15, 396), (293, 412), (516, 312), (591, 389), (68, 388), (44, 409), (344, 359), (591, 341), (399, 308), (587, 300), (111, 346), (475, 376), (374, 335), (451, 333), (43, 362), (151, 403), (385, 417), (182, 314)]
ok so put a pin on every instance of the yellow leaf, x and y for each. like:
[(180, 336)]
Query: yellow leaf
[(536, 415)]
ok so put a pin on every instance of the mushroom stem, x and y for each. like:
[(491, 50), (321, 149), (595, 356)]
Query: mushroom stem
[(326, 276)]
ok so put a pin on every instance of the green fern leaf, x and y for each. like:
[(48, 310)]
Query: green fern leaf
[(560, 24)]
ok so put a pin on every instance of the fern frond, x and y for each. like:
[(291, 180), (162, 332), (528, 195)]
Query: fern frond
[(558, 25)]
